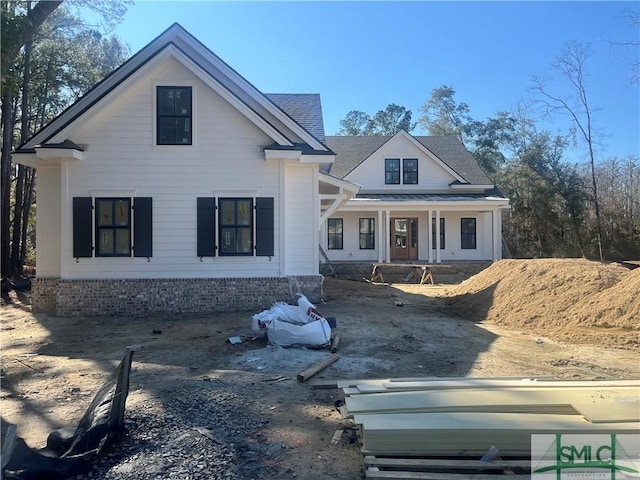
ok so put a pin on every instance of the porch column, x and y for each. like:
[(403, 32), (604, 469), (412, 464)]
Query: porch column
[(438, 236), (387, 224), (429, 237), (497, 234), (380, 237)]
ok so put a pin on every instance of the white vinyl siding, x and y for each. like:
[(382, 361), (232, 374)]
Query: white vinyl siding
[(452, 251), (301, 217), (226, 160), (371, 173), (48, 218)]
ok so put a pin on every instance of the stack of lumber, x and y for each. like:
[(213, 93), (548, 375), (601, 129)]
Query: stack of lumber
[(455, 418)]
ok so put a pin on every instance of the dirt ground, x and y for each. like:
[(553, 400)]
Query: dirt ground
[(517, 319)]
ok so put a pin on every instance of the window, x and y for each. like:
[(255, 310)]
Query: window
[(433, 233), (174, 119), (468, 233), (367, 234), (335, 233), (113, 227), (236, 226), (392, 171), (110, 227), (410, 171)]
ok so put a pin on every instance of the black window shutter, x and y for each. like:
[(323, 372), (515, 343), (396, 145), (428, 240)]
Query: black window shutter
[(82, 234), (264, 227), (206, 227), (142, 227)]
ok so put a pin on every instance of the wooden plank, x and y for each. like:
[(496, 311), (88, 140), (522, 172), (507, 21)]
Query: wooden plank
[(618, 408), (387, 462), (382, 381), (491, 383), (350, 391), (324, 385), (602, 404), (311, 371), (430, 434), (373, 474), (335, 343)]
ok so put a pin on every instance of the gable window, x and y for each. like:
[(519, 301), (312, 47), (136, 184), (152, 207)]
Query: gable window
[(367, 234), (410, 171), (334, 226), (112, 227), (468, 233), (236, 226), (392, 171), (433, 233), (174, 119)]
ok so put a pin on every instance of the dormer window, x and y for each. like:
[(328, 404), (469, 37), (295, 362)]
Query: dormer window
[(174, 119), (410, 171), (408, 174), (392, 171)]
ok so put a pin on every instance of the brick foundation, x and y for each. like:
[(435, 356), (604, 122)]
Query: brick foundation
[(140, 297)]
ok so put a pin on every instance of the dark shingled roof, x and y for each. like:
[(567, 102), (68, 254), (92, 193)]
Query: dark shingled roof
[(304, 108), (351, 151)]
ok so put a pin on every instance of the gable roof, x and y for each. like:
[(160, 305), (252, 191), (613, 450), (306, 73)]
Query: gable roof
[(176, 41), (351, 151), (304, 108)]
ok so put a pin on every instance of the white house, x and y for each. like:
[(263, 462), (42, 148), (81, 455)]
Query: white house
[(422, 199), (174, 185)]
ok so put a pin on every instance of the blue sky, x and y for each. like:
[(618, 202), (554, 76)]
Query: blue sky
[(366, 55)]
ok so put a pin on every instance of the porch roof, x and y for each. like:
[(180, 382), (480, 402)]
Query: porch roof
[(428, 197)]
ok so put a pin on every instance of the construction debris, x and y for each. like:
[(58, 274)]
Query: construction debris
[(311, 371), (287, 325), (461, 418), (68, 449)]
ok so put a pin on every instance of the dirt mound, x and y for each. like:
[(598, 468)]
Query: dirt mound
[(577, 300)]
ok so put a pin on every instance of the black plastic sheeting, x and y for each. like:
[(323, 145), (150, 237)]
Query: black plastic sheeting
[(100, 424)]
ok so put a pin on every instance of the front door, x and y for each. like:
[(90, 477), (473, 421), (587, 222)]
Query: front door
[(404, 239)]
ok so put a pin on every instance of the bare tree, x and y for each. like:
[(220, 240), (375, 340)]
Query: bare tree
[(633, 17), (571, 64)]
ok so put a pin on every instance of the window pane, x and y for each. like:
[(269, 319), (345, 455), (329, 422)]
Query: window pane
[(334, 226), (106, 243), (122, 242), (174, 108), (227, 212), (468, 233), (183, 131), (122, 213), (228, 240), (244, 240), (166, 101), (105, 212), (243, 213), (410, 171), (183, 101), (367, 233), (166, 130), (236, 226), (392, 171)]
